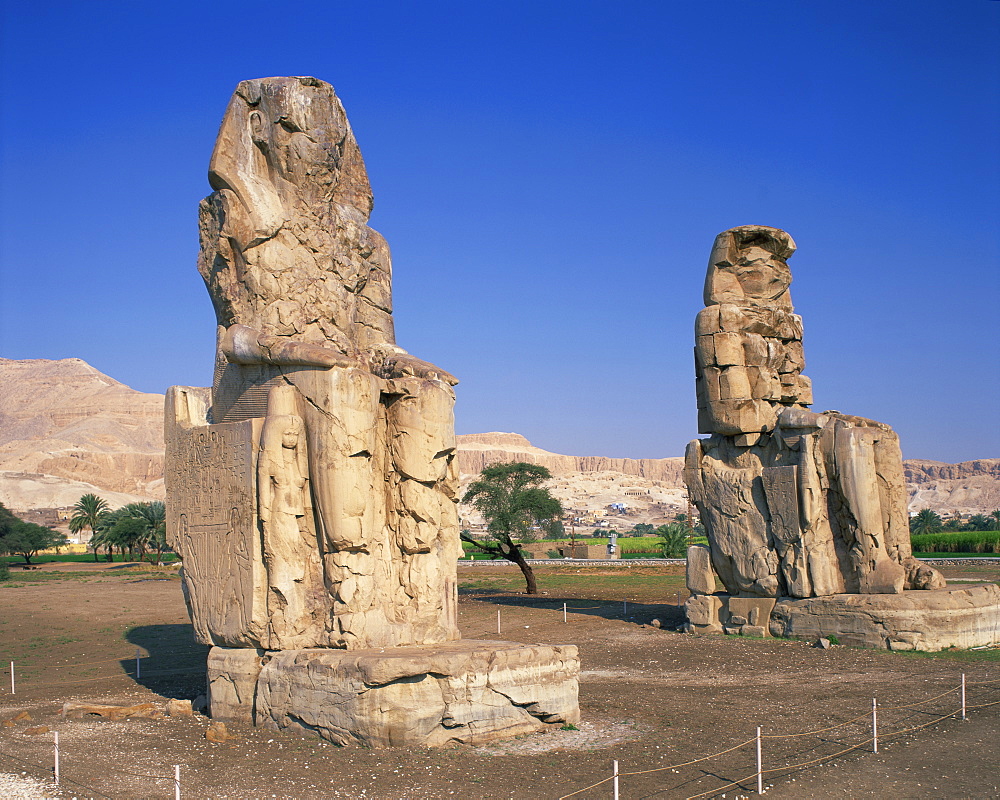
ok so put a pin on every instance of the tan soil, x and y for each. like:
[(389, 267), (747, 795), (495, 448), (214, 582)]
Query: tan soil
[(649, 698)]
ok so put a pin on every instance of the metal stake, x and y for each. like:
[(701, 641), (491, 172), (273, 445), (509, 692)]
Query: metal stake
[(874, 726), (760, 769)]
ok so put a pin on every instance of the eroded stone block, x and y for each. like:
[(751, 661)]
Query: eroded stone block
[(468, 691), (700, 575), (703, 609)]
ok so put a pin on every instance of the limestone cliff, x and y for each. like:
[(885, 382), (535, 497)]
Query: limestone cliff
[(478, 450), (67, 429), (79, 428)]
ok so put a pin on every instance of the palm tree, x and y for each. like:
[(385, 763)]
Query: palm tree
[(996, 519), (87, 514), (980, 522), (925, 521), (154, 518), (511, 499), (675, 539)]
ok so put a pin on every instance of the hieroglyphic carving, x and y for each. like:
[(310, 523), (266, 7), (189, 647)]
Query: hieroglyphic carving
[(212, 522)]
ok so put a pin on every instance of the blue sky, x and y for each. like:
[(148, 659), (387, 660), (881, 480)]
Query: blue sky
[(550, 177)]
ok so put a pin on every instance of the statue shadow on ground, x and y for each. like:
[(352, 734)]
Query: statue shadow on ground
[(670, 615), (171, 662)]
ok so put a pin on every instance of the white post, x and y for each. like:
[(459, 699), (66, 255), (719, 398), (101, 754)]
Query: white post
[(138, 671), (760, 769), (498, 622), (55, 741), (874, 726), (963, 695), (177, 782), (616, 779), (624, 607), (12, 677), (678, 598), (564, 612)]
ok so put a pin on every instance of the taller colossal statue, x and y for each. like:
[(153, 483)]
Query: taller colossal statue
[(795, 504), (312, 491), (302, 293)]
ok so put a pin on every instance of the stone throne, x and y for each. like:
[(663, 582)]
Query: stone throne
[(806, 513), (312, 491)]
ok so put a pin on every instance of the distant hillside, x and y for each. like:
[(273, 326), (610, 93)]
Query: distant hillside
[(80, 429), (67, 429)]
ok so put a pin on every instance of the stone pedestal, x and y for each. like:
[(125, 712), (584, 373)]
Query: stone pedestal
[(913, 620), (465, 691)]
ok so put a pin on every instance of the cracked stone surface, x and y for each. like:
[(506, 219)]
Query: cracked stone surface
[(467, 691), (795, 504), (311, 492)]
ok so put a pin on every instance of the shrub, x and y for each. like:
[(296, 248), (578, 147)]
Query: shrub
[(4, 570)]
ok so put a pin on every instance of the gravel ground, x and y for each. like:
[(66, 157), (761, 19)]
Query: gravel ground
[(15, 787)]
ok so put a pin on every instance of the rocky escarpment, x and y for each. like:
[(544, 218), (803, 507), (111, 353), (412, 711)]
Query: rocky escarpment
[(68, 421), (970, 487), (67, 429), (478, 450)]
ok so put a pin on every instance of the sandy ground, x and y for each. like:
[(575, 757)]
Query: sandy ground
[(650, 698)]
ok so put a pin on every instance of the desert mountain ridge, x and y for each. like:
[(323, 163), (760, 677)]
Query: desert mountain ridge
[(67, 429)]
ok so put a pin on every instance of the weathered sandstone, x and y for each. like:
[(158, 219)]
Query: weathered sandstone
[(933, 620), (312, 490), (794, 503), (466, 691)]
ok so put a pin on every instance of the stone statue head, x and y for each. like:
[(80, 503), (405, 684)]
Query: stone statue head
[(286, 144), (748, 267)]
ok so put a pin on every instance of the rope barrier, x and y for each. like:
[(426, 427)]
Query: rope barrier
[(661, 769), (921, 703), (866, 715), (143, 775), (63, 777), (720, 788), (585, 788), (801, 765), (689, 763), (183, 671)]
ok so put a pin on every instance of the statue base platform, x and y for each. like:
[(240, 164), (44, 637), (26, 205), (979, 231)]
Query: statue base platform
[(914, 620), (463, 691)]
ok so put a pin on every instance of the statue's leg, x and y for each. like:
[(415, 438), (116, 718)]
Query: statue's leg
[(858, 481), (342, 413), (423, 515)]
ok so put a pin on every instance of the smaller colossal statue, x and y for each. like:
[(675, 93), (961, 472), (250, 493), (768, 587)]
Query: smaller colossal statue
[(795, 504)]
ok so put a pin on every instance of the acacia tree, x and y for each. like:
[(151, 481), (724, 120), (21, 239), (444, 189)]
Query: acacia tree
[(26, 539), (511, 499), (87, 513)]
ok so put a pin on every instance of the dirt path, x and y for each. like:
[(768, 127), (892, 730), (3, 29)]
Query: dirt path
[(650, 698)]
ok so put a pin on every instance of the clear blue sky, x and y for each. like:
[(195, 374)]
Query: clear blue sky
[(550, 176)]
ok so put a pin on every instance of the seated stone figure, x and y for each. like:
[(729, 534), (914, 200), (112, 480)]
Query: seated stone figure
[(794, 503), (347, 529)]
